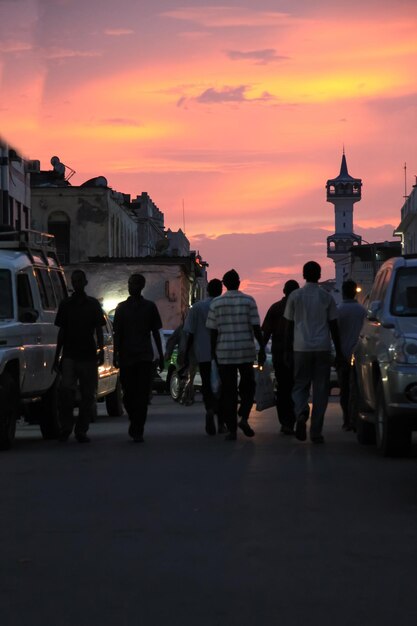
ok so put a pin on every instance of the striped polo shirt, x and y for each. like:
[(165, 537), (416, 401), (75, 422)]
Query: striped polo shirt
[(233, 315)]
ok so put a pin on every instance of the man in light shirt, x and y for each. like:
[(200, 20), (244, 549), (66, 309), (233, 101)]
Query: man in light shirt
[(198, 338), (234, 323), (312, 322)]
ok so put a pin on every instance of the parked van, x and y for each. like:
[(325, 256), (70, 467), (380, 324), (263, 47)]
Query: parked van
[(384, 376)]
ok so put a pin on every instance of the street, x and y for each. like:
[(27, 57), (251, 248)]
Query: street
[(191, 530)]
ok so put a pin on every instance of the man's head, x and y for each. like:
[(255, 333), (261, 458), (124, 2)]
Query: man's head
[(136, 284), (78, 281), (290, 286), (312, 272), (214, 288), (349, 289), (231, 280)]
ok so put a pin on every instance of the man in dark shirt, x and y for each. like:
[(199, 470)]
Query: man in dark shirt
[(80, 320), (275, 326), (134, 321)]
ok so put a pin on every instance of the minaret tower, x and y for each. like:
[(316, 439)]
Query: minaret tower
[(343, 192)]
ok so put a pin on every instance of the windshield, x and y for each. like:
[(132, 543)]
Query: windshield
[(6, 297), (404, 296)]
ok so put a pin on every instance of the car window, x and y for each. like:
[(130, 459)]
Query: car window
[(45, 289), (59, 286), (24, 292), (6, 295), (404, 296)]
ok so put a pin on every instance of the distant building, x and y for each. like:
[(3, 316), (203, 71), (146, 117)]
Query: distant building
[(366, 261), (172, 282), (407, 228), (87, 220), (343, 192), (15, 200)]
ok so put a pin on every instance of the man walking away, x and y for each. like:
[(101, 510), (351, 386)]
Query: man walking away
[(312, 316), (275, 326), (350, 316), (234, 321), (198, 339), (80, 338), (135, 320)]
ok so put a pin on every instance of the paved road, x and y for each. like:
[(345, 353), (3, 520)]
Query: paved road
[(192, 530)]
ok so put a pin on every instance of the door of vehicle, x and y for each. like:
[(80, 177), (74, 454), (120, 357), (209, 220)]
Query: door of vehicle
[(30, 324), (48, 309)]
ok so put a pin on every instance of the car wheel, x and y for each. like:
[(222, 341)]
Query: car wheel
[(114, 402), (9, 410), (175, 386), (393, 435)]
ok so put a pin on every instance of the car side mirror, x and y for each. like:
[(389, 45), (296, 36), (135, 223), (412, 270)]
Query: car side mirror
[(29, 316), (373, 309)]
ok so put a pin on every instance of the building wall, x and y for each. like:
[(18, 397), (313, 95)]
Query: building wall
[(98, 224), (15, 200), (169, 286), (407, 229)]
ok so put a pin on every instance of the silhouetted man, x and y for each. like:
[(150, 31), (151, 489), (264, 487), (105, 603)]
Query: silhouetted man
[(350, 316), (80, 320), (198, 338), (312, 316), (234, 322), (275, 326), (135, 320)]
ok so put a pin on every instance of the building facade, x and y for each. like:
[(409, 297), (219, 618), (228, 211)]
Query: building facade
[(15, 197), (407, 228)]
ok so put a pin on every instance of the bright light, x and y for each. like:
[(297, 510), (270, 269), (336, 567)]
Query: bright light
[(110, 303)]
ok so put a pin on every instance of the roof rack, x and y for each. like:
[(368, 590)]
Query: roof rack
[(29, 241)]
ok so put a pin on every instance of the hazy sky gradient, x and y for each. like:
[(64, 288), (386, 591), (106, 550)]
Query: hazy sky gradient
[(239, 112)]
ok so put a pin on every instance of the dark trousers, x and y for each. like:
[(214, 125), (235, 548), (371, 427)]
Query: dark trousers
[(136, 382), (85, 375), (211, 403), (311, 369), (230, 391), (343, 376), (284, 376)]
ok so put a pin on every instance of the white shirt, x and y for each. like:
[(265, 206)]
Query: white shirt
[(311, 308)]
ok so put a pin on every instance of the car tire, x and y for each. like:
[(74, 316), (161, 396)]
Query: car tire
[(114, 401), (175, 386), (393, 435), (9, 410)]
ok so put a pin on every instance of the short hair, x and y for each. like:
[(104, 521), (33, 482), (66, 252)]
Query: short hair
[(231, 280), (214, 287), (349, 289), (138, 280), (78, 272), (312, 271), (290, 286)]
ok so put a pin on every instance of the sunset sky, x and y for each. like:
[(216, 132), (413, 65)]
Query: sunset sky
[(237, 109)]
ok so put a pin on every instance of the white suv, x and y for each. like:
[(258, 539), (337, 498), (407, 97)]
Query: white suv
[(384, 376), (32, 284)]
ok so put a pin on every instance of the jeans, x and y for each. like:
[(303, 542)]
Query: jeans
[(285, 380), (85, 373), (136, 382), (311, 369), (229, 392)]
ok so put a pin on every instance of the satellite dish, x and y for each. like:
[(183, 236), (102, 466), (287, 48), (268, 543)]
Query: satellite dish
[(97, 181)]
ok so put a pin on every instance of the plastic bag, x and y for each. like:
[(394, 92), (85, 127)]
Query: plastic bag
[(215, 379), (264, 393)]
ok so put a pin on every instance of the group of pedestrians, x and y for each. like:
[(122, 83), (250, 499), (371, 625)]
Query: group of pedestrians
[(220, 333)]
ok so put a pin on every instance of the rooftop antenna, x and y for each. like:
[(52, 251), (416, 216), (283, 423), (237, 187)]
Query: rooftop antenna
[(405, 180), (183, 216)]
